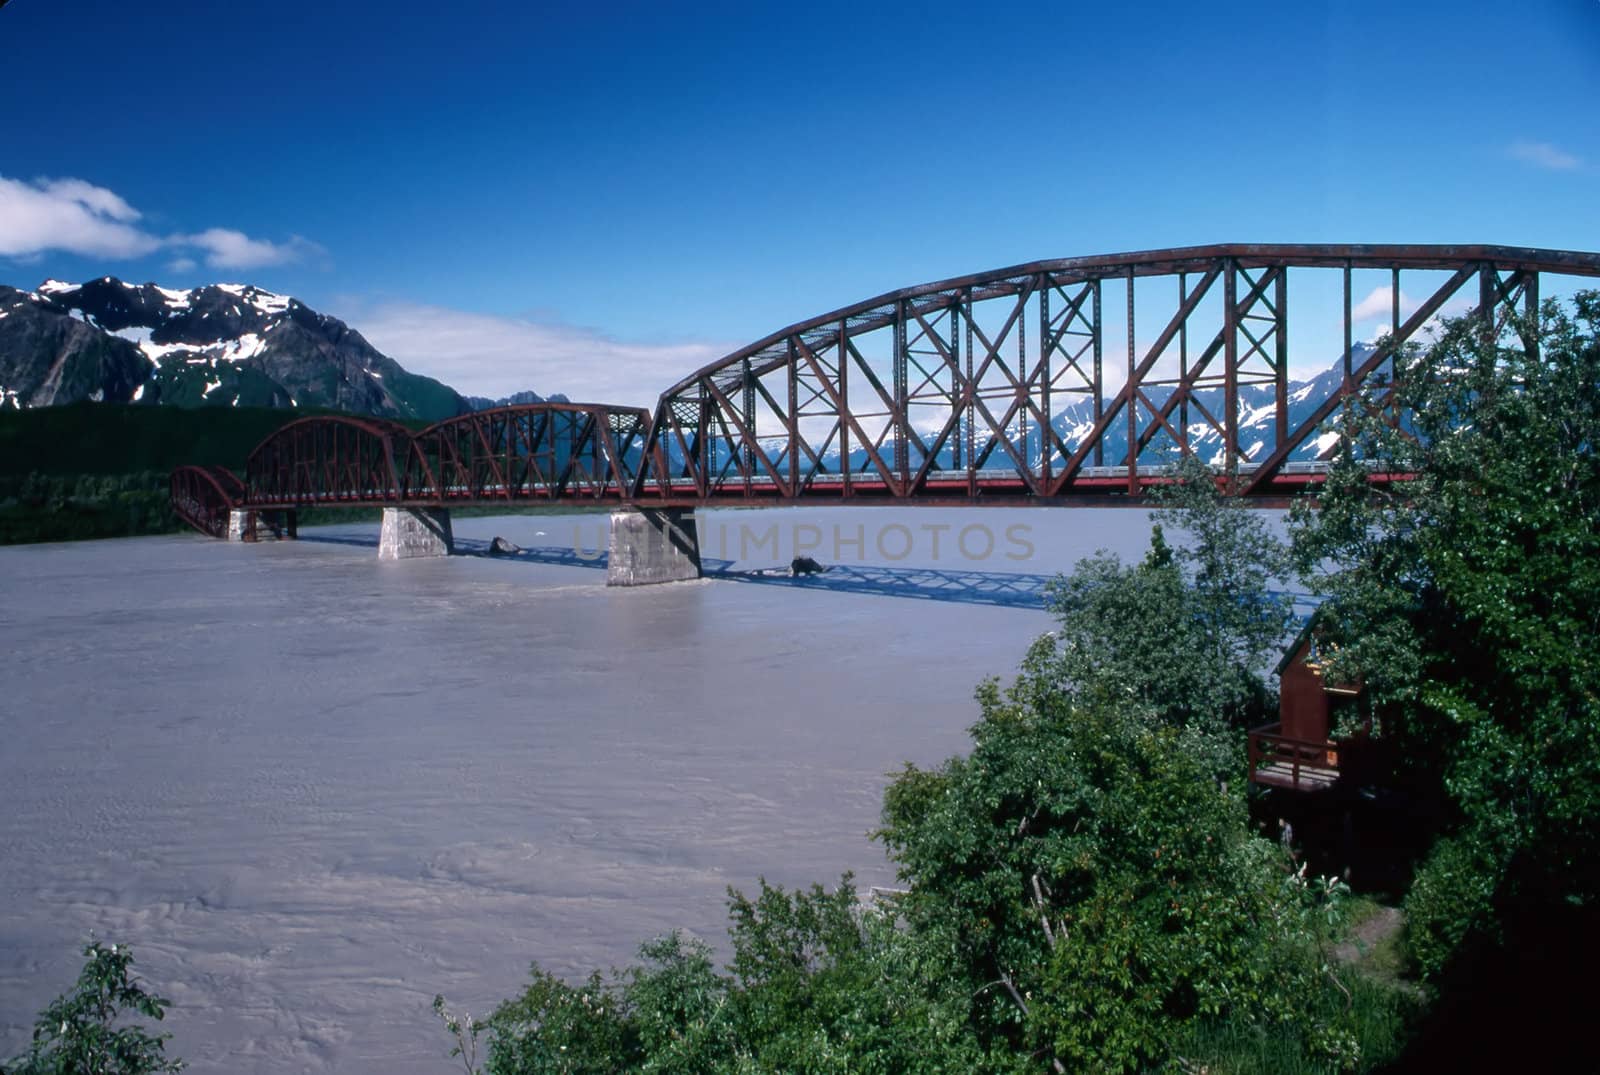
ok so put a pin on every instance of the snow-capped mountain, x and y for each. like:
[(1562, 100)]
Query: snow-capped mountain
[(222, 345)]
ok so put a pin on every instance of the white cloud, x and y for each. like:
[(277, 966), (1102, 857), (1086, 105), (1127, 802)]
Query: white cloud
[(485, 355), (228, 249), (96, 199), (1379, 305), (76, 217), (70, 215), (1543, 155), (182, 265)]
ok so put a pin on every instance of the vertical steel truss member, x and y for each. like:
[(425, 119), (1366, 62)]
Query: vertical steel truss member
[(203, 497), (330, 460), (541, 451), (942, 394)]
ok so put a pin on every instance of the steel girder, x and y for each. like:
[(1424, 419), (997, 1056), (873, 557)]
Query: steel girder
[(330, 460), (1043, 383), (203, 497), (539, 451), (542, 451)]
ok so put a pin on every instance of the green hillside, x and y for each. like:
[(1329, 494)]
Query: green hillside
[(95, 470), (114, 438)]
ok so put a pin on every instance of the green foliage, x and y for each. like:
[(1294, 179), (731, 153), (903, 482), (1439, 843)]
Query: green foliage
[(78, 1034), (39, 507), (817, 984), (1082, 896), (1451, 898), (1469, 600), (1187, 633), (1376, 1026), (113, 438), (556, 1028), (1102, 891)]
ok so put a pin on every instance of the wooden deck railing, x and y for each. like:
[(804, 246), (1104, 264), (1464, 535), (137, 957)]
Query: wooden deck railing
[(1280, 761)]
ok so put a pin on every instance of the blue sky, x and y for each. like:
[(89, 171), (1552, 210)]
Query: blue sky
[(512, 195)]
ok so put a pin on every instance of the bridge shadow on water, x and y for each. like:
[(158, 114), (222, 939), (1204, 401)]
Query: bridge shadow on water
[(1001, 588), (360, 541), (928, 584), (562, 555), (923, 583)]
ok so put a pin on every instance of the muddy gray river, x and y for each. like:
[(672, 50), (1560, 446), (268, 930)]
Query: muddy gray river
[(311, 790)]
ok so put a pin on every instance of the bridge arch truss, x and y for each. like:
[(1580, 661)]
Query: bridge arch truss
[(329, 460), (204, 496), (1074, 379), (550, 451), (543, 451)]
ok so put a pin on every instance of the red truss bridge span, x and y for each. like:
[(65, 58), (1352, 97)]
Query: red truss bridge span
[(1074, 381), (537, 453)]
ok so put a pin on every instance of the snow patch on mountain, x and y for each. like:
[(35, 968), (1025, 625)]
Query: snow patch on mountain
[(247, 346), (160, 352)]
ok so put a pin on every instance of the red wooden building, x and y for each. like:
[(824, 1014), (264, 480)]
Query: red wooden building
[(1300, 752)]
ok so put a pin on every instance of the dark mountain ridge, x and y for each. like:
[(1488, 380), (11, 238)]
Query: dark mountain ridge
[(229, 345)]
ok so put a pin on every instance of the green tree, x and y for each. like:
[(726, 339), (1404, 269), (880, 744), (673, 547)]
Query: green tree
[(1188, 633), (1102, 891), (78, 1034), (1468, 597), (818, 983)]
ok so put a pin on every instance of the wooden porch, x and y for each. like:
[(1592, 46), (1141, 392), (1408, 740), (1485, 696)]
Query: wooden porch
[(1283, 761)]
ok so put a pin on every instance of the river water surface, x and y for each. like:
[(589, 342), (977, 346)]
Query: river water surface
[(311, 790)]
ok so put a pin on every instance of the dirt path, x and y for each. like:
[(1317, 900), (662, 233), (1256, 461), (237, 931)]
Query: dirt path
[(1366, 937)]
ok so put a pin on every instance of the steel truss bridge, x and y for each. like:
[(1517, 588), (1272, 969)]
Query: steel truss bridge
[(1058, 382)]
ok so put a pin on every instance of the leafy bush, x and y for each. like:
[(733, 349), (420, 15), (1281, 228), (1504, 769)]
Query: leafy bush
[(78, 1034), (1451, 899), (1185, 635), (1103, 889)]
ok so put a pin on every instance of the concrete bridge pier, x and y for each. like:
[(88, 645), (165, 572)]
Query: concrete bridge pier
[(253, 524), (653, 545), (409, 533)]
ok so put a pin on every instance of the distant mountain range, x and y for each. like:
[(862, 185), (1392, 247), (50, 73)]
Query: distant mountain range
[(221, 345), (1257, 420)]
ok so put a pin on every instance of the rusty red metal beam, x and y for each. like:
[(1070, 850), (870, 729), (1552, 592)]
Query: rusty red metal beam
[(934, 394)]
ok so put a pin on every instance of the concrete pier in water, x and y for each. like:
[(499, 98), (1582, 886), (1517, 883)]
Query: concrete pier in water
[(409, 533), (652, 545), (250, 524)]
